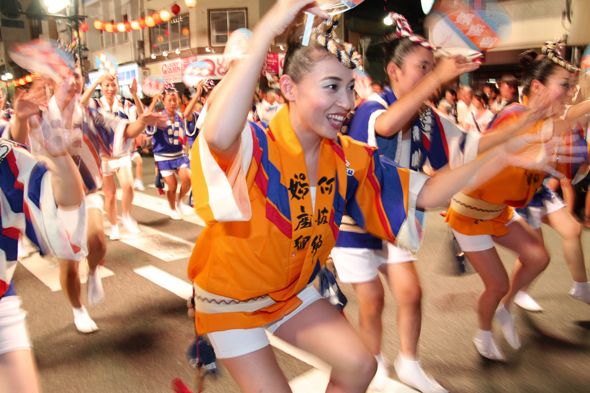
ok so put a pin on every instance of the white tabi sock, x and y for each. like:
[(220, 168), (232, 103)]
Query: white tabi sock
[(83, 321)]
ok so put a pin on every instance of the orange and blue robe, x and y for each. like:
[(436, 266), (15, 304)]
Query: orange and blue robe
[(513, 187), (265, 239)]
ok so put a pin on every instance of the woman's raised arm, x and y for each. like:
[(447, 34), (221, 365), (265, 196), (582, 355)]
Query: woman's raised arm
[(222, 132)]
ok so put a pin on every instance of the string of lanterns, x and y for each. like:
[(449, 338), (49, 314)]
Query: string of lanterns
[(156, 18), (24, 80)]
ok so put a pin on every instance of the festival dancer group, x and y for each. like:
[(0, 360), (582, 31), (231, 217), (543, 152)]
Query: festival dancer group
[(277, 202)]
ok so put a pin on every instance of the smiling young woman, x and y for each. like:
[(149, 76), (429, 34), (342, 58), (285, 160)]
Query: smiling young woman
[(484, 216), (274, 199)]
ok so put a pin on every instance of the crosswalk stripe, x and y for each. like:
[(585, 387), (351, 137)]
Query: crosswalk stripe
[(156, 243), (167, 281), (160, 205), (47, 270)]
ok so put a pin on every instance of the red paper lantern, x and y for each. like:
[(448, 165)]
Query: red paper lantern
[(98, 25), (84, 27), (175, 9), (149, 21), (156, 18), (141, 22), (29, 79), (108, 27), (128, 26), (167, 33)]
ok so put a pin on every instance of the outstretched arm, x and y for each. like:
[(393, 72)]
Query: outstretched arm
[(148, 118), (136, 100), (528, 151), (501, 133), (88, 92), (401, 111), (188, 112), (222, 132)]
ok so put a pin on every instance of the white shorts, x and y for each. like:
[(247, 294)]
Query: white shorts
[(536, 213), (356, 265), (135, 154), (170, 172), (94, 201), (239, 342), (14, 335), (479, 242), (112, 165)]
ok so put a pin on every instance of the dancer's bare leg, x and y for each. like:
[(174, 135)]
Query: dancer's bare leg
[(18, 372)]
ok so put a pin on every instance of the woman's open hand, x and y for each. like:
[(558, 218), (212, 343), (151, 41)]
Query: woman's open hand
[(284, 12)]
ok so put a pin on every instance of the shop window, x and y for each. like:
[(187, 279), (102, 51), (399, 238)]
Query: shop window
[(170, 36), (223, 22)]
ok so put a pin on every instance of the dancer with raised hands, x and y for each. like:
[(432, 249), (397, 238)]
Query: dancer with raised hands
[(273, 201), (119, 165), (36, 196), (167, 138), (483, 216), (414, 136), (546, 206)]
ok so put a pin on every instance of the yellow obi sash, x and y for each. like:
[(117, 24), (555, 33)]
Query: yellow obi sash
[(475, 208)]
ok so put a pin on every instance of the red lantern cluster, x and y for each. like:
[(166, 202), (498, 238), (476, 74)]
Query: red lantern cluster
[(152, 20)]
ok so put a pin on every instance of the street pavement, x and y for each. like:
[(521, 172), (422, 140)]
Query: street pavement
[(145, 331)]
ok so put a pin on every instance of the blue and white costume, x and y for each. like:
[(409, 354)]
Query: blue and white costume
[(167, 145), (27, 207), (126, 111), (191, 130), (433, 141)]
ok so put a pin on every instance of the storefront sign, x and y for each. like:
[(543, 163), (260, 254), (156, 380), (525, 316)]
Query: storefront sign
[(273, 64), (172, 70)]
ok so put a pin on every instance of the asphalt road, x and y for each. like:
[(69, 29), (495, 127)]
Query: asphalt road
[(145, 330)]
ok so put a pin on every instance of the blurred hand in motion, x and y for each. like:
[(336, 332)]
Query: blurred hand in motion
[(133, 87), (26, 103), (151, 118), (449, 67), (282, 14), (538, 152)]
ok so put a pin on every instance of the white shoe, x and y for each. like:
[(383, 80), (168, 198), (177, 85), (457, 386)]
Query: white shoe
[(114, 232), (506, 321), (83, 322), (380, 378), (138, 184), (485, 345), (182, 209), (130, 225), (411, 373), (581, 291), (174, 215), (525, 301)]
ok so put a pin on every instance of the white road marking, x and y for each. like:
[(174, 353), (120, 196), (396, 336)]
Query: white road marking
[(160, 205), (316, 381), (47, 270), (175, 285), (159, 244)]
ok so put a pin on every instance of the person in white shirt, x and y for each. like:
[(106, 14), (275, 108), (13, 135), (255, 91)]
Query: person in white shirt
[(479, 118), (268, 112), (464, 106)]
